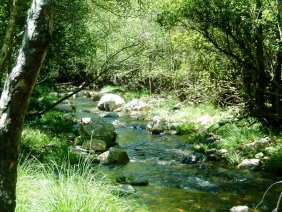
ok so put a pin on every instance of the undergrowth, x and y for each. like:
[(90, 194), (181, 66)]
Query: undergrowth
[(65, 187), (46, 137)]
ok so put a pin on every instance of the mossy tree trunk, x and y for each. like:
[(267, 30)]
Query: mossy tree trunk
[(16, 94)]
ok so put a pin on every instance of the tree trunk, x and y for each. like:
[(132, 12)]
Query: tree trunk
[(276, 85), (8, 39), (276, 104), (16, 94), (260, 76)]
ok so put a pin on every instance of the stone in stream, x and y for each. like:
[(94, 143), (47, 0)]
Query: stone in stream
[(65, 108), (250, 164), (139, 183), (110, 102), (259, 155), (139, 126), (119, 124), (111, 115), (135, 104), (194, 158), (259, 144), (85, 120), (126, 188), (157, 125), (98, 129), (240, 208), (115, 155), (95, 145)]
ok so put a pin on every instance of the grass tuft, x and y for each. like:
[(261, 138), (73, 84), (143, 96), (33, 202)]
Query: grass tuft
[(68, 188)]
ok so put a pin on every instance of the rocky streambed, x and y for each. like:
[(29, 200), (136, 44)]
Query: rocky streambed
[(171, 184)]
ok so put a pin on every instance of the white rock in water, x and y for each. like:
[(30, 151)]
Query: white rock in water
[(249, 164), (127, 188), (86, 120), (259, 155), (110, 102), (240, 208)]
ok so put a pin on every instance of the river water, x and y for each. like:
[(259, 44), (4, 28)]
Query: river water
[(174, 186)]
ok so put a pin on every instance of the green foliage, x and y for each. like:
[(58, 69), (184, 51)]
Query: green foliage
[(41, 98), (43, 146), (3, 18), (64, 187), (72, 46), (200, 148), (55, 122), (5, 11), (234, 157), (46, 137), (244, 34), (235, 135), (186, 128), (275, 157), (136, 94)]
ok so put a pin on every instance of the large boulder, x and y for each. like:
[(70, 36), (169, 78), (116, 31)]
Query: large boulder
[(157, 125), (65, 108), (115, 155), (110, 102), (77, 153), (98, 129), (95, 145), (135, 104)]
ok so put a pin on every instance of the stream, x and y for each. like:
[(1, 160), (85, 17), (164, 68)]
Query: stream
[(174, 186)]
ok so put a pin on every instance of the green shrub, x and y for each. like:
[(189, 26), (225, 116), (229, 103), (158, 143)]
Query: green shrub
[(186, 128)]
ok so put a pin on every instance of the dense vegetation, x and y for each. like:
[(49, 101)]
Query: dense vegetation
[(226, 52), (225, 55)]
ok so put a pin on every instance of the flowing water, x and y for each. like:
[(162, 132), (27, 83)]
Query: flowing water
[(174, 186)]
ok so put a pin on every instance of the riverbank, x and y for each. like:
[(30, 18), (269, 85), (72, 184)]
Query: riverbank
[(165, 157), (218, 134)]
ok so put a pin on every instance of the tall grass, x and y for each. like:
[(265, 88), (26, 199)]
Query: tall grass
[(68, 188)]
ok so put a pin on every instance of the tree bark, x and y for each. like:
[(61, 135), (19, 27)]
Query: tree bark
[(16, 94), (276, 104), (260, 76), (8, 39)]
